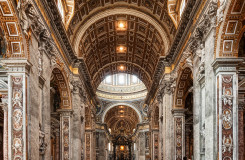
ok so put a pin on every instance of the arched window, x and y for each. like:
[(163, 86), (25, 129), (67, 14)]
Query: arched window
[(61, 9), (182, 7)]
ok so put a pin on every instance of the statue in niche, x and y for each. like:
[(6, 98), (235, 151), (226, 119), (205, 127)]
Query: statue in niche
[(201, 54), (3, 44), (42, 144)]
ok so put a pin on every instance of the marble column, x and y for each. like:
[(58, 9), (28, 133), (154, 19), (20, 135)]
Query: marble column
[(88, 145), (77, 120), (155, 144), (5, 130), (57, 139), (161, 134), (226, 106), (241, 130), (65, 134), (179, 133), (18, 78), (167, 125)]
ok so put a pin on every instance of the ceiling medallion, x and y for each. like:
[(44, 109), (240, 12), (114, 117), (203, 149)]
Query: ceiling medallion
[(121, 25)]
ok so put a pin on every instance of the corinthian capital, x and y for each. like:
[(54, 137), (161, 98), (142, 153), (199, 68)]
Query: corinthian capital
[(168, 85)]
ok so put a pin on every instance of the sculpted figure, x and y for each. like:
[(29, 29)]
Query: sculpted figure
[(21, 7), (220, 11), (189, 58)]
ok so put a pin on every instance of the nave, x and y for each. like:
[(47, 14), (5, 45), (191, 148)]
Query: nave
[(122, 79)]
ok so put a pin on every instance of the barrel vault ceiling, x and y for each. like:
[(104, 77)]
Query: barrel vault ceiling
[(135, 48)]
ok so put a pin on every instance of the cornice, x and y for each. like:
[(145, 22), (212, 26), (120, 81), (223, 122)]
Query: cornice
[(156, 79), (58, 28), (226, 64), (183, 30)]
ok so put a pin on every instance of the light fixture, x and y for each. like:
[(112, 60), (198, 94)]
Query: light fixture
[(120, 106), (121, 25), (121, 49), (121, 148), (121, 67)]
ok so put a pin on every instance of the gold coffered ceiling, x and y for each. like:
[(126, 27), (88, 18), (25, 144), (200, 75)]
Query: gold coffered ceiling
[(136, 49)]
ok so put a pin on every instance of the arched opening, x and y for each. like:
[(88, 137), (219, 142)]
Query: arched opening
[(155, 136), (184, 103), (55, 103), (189, 126), (241, 98), (121, 122), (59, 102)]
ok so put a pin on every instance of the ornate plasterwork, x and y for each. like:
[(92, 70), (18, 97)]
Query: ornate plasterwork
[(204, 25), (167, 86), (12, 31), (230, 27), (31, 21)]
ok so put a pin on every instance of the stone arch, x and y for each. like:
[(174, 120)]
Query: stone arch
[(184, 83), (12, 30), (118, 104), (63, 87), (230, 21)]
